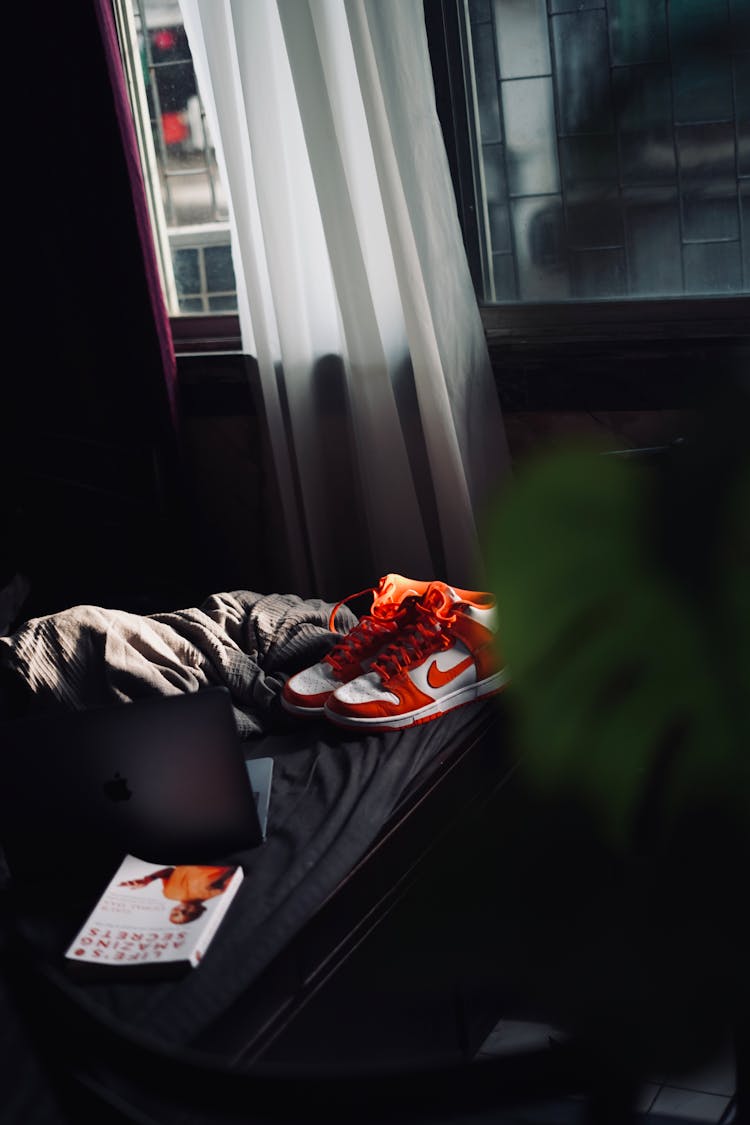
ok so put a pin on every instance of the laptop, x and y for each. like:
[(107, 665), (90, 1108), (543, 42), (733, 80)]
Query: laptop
[(162, 778)]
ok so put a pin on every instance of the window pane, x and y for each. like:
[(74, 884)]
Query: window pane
[(538, 231), (743, 148), (702, 89), (188, 200), (638, 32), (598, 273), (187, 271), (522, 38), (652, 224), (483, 42), (497, 197), (705, 151), (588, 157), (574, 5), (701, 67), (221, 304), (742, 99), (745, 211), (582, 72), (191, 305), (713, 267), (739, 16), (219, 272), (530, 135), (625, 146), (479, 11), (644, 123), (594, 217), (711, 214), (709, 188), (504, 277)]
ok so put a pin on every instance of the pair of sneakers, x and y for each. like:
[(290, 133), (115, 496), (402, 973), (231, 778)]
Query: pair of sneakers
[(423, 649)]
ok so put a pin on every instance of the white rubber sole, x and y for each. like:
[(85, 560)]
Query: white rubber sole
[(458, 698)]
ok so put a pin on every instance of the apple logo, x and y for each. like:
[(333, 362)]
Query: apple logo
[(117, 788)]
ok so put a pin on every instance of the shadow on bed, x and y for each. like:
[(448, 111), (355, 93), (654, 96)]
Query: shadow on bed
[(88, 1068)]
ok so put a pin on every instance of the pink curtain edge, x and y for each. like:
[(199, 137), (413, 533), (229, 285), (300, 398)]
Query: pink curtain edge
[(111, 45)]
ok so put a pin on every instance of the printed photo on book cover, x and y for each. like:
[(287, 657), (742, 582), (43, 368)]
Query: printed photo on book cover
[(151, 912), (188, 886)]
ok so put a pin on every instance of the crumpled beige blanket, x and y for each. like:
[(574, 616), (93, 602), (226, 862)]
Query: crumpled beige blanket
[(89, 656)]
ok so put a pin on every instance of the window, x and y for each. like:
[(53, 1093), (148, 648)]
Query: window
[(600, 152), (187, 202), (607, 146)]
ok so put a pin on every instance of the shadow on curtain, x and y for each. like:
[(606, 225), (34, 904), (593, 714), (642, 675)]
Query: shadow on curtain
[(354, 292)]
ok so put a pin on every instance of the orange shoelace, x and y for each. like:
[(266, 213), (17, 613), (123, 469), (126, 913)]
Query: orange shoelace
[(371, 627), (418, 639), (348, 598)]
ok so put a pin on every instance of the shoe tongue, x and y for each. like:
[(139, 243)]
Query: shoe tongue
[(392, 589), (439, 596)]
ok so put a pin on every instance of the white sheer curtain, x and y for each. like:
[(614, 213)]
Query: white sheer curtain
[(383, 421)]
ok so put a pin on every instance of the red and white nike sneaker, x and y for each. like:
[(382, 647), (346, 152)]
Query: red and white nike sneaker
[(393, 603), (445, 658)]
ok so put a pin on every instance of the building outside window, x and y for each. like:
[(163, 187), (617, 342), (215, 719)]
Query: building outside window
[(610, 146), (187, 201)]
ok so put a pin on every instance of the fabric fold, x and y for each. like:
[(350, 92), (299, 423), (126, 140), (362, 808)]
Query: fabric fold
[(89, 656)]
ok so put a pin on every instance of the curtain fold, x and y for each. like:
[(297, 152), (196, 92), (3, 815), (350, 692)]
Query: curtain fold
[(355, 296)]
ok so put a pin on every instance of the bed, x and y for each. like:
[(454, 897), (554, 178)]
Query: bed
[(354, 823)]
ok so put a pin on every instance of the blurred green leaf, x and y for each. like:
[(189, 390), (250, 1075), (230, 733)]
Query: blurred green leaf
[(629, 673)]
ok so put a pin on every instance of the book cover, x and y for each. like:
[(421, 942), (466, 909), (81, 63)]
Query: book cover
[(155, 917), (260, 771)]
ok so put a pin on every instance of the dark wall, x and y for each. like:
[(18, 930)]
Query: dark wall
[(235, 514), (94, 502)]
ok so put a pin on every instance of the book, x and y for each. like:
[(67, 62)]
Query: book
[(155, 919), (260, 772)]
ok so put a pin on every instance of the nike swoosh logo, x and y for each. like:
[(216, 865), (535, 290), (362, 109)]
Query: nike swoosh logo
[(437, 679)]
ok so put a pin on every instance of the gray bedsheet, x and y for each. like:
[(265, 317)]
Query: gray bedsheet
[(332, 790)]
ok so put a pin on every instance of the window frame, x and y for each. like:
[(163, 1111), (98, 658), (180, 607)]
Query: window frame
[(671, 325), (199, 333), (661, 331)]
